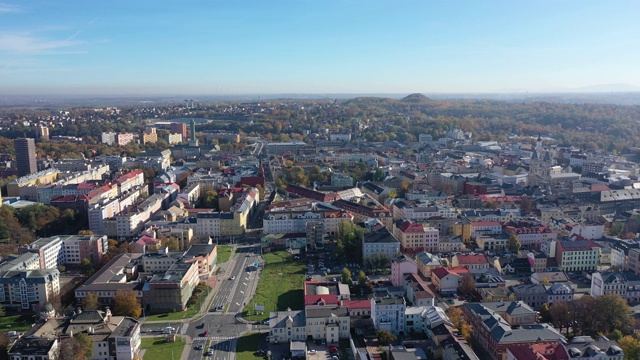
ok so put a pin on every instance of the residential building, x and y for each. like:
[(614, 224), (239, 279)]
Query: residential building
[(325, 293), (49, 250), (26, 261), (415, 237), (25, 186), (379, 242), (42, 132), (586, 348), (328, 323), (342, 180), (149, 136), (108, 138), (122, 139), (477, 264), (388, 313), (400, 267), (448, 279), (579, 255), (498, 326), (448, 244), (25, 149), (173, 139), (421, 319), (427, 262), (280, 222), (179, 128), (492, 242), (117, 275), (28, 348), (485, 228), (28, 289), (285, 326)]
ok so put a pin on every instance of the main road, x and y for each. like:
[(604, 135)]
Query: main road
[(220, 329)]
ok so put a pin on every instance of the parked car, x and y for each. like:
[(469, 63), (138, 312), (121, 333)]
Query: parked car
[(199, 347), (312, 351)]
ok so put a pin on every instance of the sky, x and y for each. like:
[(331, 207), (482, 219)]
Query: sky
[(128, 47)]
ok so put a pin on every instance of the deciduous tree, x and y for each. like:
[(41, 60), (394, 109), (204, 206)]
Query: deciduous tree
[(346, 276), (514, 243), (91, 302), (468, 283), (385, 337), (126, 304)]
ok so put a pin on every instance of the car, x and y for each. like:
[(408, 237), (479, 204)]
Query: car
[(232, 278), (332, 348), (208, 353), (199, 347), (312, 351)]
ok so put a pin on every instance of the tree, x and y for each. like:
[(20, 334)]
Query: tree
[(4, 346), (346, 276), (561, 315), (525, 205), (545, 314), (362, 277), (173, 244), (210, 199), (86, 267), (126, 304), (73, 348), (458, 320), (85, 232), (91, 302), (85, 343), (468, 283), (514, 243), (611, 312), (631, 347), (385, 337), (392, 194)]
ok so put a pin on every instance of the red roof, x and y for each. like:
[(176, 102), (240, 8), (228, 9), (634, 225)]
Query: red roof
[(147, 240), (446, 270), (408, 226), (357, 304), (328, 299), (472, 259)]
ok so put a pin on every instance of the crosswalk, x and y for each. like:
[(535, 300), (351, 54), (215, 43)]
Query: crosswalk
[(214, 338)]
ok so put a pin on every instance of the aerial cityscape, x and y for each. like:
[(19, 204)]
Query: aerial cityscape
[(324, 181)]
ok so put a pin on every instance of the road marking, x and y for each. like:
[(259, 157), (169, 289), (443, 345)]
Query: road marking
[(213, 338)]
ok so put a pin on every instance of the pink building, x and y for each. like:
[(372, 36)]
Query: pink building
[(124, 138), (399, 267)]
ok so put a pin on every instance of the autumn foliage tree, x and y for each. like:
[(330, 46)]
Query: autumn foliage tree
[(458, 320), (126, 304), (91, 302)]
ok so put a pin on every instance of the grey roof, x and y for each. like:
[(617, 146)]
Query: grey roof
[(381, 236), (326, 311), (30, 276), (279, 319), (584, 346), (528, 289)]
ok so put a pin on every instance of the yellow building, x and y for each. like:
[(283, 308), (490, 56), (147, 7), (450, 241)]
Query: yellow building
[(462, 228), (44, 177)]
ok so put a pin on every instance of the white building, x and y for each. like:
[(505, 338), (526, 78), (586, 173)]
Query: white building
[(28, 289), (108, 138), (388, 313), (380, 242)]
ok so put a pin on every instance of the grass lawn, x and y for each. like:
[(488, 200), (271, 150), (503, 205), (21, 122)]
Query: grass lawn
[(280, 286), (247, 346), (159, 349), (15, 323), (224, 252)]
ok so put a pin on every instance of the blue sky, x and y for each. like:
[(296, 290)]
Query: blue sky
[(270, 47)]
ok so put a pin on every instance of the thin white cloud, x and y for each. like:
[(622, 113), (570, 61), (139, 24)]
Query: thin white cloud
[(10, 8), (28, 44)]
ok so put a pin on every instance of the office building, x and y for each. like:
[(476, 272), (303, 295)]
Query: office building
[(25, 156)]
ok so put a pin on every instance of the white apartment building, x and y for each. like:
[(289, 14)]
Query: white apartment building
[(389, 313), (282, 222), (339, 179), (28, 289), (108, 138), (380, 242), (479, 228)]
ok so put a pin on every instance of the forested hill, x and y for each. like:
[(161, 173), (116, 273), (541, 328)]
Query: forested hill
[(586, 125)]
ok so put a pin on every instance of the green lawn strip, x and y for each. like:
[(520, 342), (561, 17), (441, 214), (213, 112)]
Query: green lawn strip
[(247, 346), (16, 323), (158, 348), (279, 287), (224, 252), (192, 310)]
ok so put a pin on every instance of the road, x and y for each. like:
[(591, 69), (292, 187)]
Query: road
[(220, 325)]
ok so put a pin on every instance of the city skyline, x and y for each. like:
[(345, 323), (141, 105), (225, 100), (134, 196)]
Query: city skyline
[(220, 48)]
